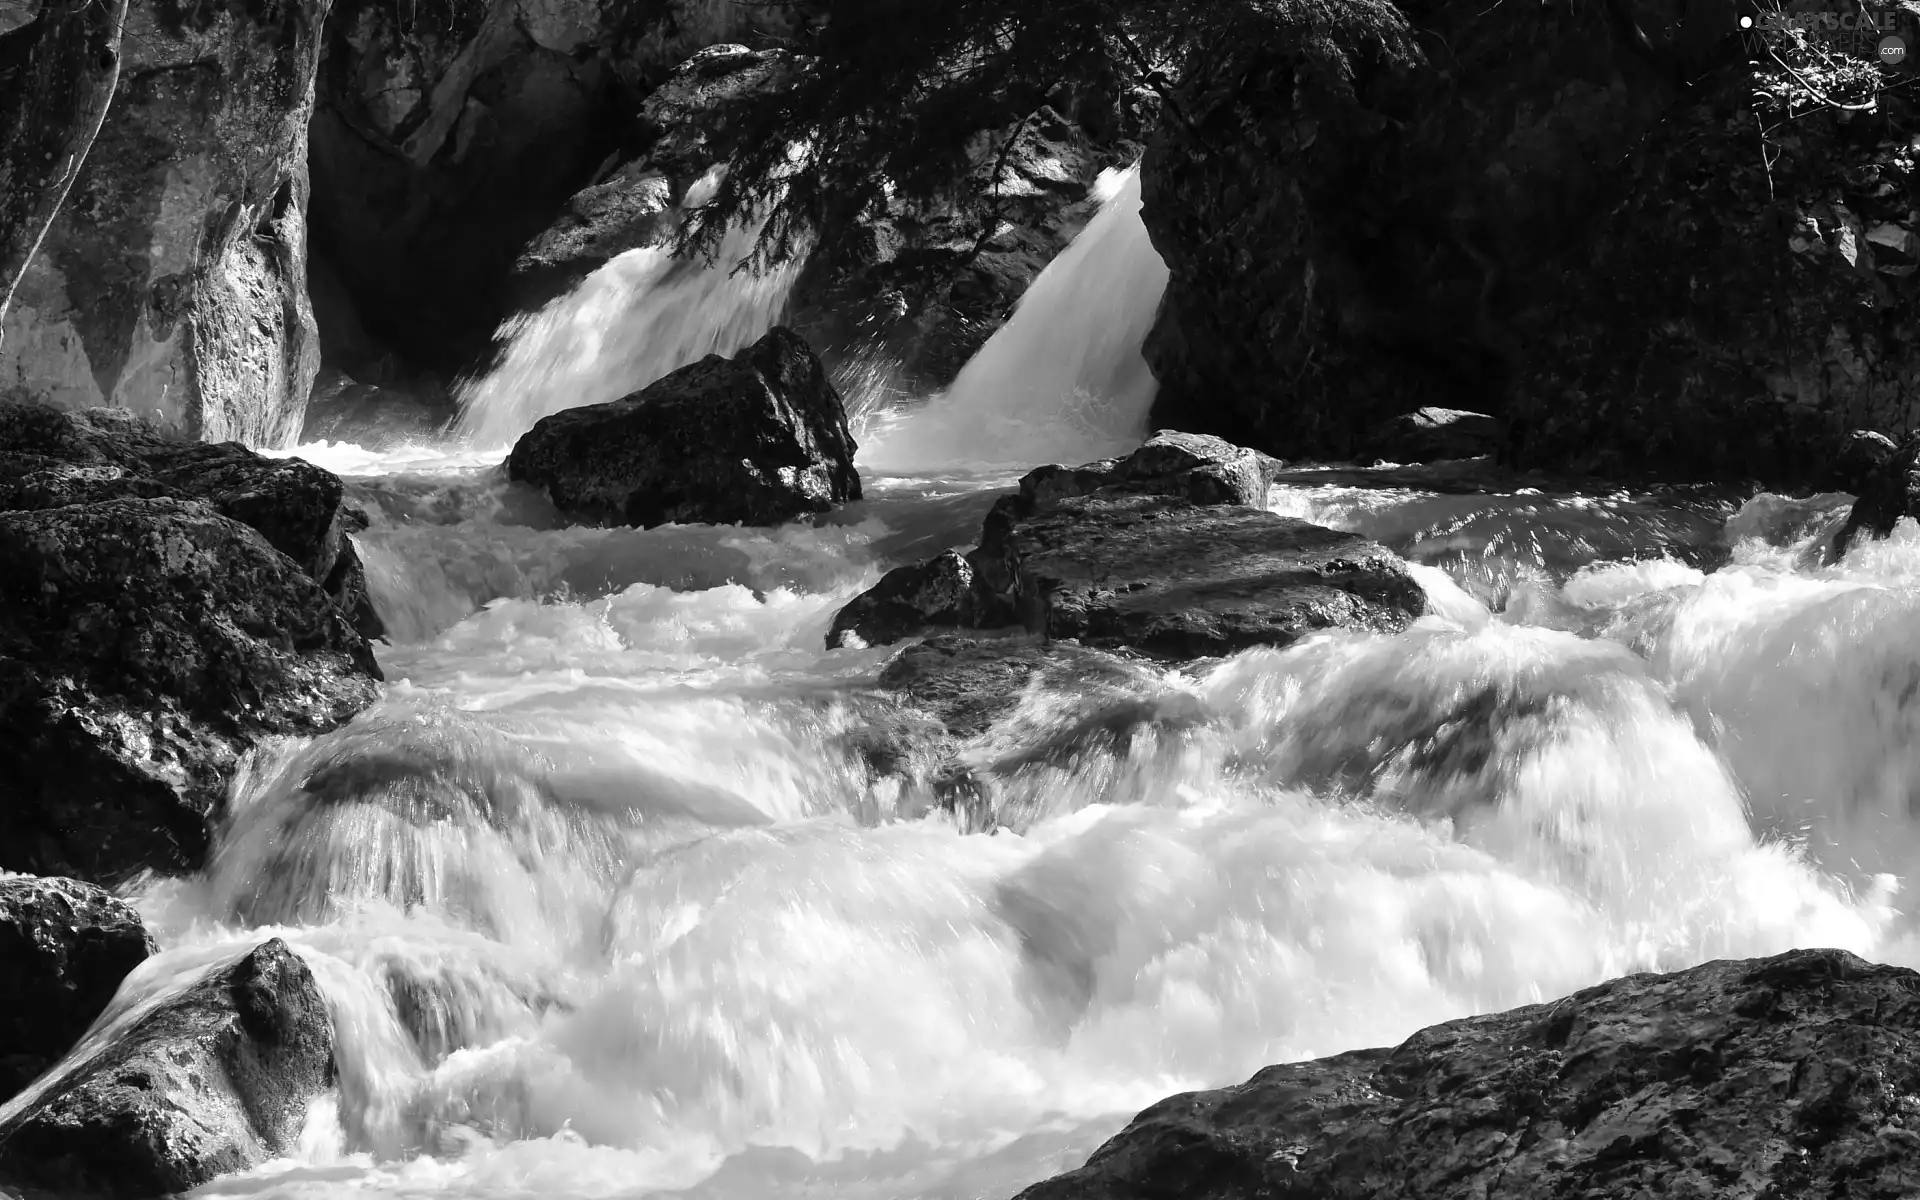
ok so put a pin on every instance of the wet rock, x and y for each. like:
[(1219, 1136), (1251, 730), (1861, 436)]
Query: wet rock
[(1183, 580), (757, 439), (173, 281), (905, 601), (1888, 483), (1164, 550), (213, 1081), (1784, 1076), (163, 606), (64, 948), (1433, 435), (373, 416)]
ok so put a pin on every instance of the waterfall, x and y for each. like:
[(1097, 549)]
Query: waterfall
[(1063, 380), (640, 316)]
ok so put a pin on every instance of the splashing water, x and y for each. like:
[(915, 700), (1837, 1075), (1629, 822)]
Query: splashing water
[(1064, 376), (641, 316), (612, 895)]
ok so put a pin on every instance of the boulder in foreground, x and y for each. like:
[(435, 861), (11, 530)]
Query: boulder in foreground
[(215, 1080), (64, 948), (758, 439), (163, 607), (1168, 550), (1767, 1078)]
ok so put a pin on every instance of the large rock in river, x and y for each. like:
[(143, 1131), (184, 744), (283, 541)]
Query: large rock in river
[(1166, 550), (757, 439), (212, 1081), (173, 282), (64, 948), (163, 606), (1775, 1077)]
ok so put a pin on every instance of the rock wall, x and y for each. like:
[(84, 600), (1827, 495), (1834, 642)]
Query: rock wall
[(448, 135), (173, 283), (1538, 220)]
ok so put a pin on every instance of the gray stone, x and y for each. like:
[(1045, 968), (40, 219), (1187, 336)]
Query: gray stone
[(758, 439), (1433, 435), (64, 948), (1775, 1077), (215, 1080)]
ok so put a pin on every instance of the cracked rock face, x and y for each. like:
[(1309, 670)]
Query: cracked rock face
[(1762, 1079), (215, 1080), (173, 282), (64, 948)]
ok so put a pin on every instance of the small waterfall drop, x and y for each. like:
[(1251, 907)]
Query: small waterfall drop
[(641, 316), (1063, 380)]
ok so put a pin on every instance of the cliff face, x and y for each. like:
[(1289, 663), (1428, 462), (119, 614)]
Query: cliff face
[(1610, 246), (173, 281)]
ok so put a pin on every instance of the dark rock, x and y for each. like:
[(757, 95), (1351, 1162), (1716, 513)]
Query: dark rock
[(173, 282), (1182, 580), (213, 1081), (1165, 550), (757, 439), (1434, 435), (1863, 453), (446, 138), (1889, 490), (1784, 1076), (163, 606), (64, 948), (905, 601), (374, 416), (1528, 233)]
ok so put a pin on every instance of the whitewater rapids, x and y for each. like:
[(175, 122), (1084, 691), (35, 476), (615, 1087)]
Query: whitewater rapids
[(605, 901)]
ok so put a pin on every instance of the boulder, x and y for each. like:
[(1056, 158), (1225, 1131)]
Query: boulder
[(163, 607), (757, 439), (173, 282), (64, 948), (369, 415), (1888, 485), (1166, 550), (214, 1080), (1528, 233), (1433, 435), (1784, 1076)]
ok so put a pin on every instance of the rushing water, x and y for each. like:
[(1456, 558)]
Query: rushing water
[(605, 902)]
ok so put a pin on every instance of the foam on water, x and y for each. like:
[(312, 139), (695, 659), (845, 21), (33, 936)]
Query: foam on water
[(623, 889)]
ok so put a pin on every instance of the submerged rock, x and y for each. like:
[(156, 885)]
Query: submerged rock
[(1887, 479), (1785, 1076), (215, 1080), (163, 606), (64, 948), (1165, 550), (757, 439)]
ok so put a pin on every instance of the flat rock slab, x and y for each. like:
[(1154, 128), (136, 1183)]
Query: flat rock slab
[(1764, 1079), (1182, 580)]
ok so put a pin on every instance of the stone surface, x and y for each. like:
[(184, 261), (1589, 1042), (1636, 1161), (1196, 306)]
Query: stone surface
[(213, 1081), (1748, 1080), (64, 948), (1181, 580), (1523, 222), (364, 414), (173, 281), (1888, 486), (1165, 550), (163, 606), (757, 439), (448, 137), (1433, 435)]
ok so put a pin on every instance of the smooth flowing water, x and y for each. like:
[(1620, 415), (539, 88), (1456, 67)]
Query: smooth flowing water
[(606, 902)]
